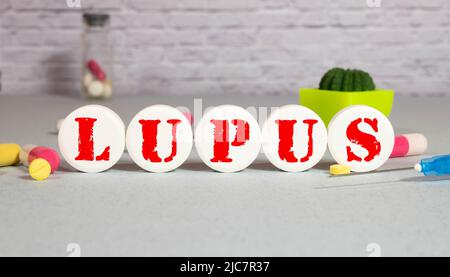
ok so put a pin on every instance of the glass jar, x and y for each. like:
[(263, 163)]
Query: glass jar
[(96, 80)]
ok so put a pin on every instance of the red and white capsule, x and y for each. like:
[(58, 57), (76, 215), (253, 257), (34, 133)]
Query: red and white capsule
[(409, 145), (31, 152), (96, 70)]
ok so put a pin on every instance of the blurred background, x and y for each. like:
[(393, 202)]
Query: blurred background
[(204, 47)]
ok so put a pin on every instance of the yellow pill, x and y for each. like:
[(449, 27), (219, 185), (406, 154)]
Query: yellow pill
[(340, 169), (9, 154), (39, 169)]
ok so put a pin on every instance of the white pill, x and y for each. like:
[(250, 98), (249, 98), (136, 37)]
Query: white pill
[(92, 138), (228, 138), (360, 137), (107, 89), (95, 89), (59, 123), (23, 154), (294, 138), (87, 79), (159, 138)]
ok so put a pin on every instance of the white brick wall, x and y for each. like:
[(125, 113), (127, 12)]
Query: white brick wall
[(229, 46)]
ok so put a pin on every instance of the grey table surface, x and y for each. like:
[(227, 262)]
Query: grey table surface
[(194, 211)]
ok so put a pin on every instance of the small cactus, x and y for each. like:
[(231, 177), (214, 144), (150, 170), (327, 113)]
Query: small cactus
[(339, 79)]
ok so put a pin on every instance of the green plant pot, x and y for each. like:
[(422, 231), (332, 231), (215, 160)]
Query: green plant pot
[(327, 103)]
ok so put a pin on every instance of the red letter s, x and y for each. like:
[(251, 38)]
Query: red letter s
[(367, 141)]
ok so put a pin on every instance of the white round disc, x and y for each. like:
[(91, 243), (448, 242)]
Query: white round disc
[(360, 137), (294, 138), (225, 145), (164, 158), (108, 130)]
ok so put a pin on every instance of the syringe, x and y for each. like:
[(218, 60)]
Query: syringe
[(437, 165)]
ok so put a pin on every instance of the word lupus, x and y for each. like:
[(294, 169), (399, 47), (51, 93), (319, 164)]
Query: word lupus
[(227, 138)]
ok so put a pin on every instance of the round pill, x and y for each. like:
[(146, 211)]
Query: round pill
[(92, 138), (9, 154), (39, 169), (159, 138), (340, 169), (228, 138), (46, 153), (294, 138), (360, 137), (95, 89)]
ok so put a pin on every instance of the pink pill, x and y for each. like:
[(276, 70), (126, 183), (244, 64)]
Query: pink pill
[(32, 152), (96, 70), (409, 145)]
